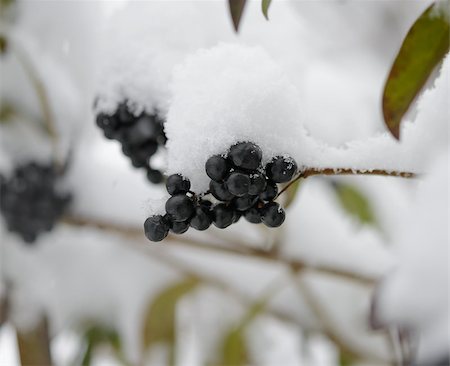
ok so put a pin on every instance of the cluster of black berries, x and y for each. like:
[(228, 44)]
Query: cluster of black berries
[(241, 184), (140, 136), (29, 200)]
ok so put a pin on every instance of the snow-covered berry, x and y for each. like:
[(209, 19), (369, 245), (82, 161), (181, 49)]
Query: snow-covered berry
[(281, 169), (245, 155), (176, 184)]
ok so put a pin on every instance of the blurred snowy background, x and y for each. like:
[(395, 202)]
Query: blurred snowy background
[(304, 294)]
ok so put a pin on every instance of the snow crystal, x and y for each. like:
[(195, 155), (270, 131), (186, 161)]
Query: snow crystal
[(224, 95)]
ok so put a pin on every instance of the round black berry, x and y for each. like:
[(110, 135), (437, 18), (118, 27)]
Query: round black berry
[(281, 169), (270, 192), (258, 184), (246, 155), (179, 227), (176, 184), (238, 184), (124, 115), (220, 191), (236, 216), (180, 207), (223, 216), (107, 122), (202, 218), (253, 215), (245, 202), (217, 168), (140, 135), (156, 228), (154, 176), (273, 214), (30, 202)]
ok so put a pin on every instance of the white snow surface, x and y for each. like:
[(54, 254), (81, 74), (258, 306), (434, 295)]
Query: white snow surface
[(143, 42), (234, 93), (416, 293)]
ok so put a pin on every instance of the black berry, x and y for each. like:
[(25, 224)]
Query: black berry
[(217, 168), (30, 201), (253, 215), (272, 214), (156, 228), (238, 184), (281, 169), (202, 218), (180, 207), (176, 184), (220, 191), (223, 216), (246, 155), (140, 136), (179, 227), (245, 202), (270, 192), (154, 176), (258, 184)]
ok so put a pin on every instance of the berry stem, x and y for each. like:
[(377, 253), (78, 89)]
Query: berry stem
[(309, 172)]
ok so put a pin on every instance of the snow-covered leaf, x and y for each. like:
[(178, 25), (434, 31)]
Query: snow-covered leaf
[(236, 9), (160, 318), (423, 48), (265, 7)]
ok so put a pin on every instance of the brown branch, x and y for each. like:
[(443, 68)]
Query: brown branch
[(309, 172), (183, 241), (34, 345)]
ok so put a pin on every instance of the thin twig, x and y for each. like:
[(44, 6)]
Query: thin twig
[(254, 253), (43, 98), (309, 172)]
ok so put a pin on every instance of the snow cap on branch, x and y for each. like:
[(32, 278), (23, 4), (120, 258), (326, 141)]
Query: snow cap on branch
[(224, 95)]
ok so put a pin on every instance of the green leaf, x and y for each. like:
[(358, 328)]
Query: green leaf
[(234, 349), (234, 346), (160, 318), (236, 9), (7, 112), (425, 45), (3, 44), (265, 8), (346, 359), (354, 202), (96, 336)]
